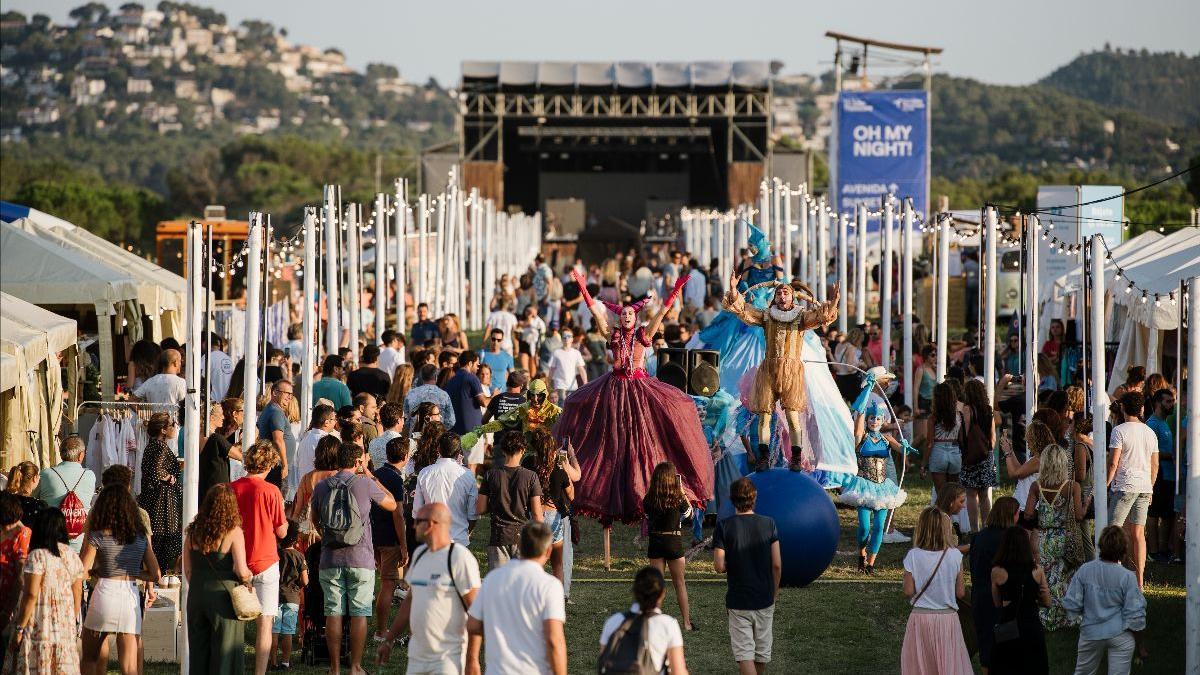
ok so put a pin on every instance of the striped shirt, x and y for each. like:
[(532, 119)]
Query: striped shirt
[(114, 559)]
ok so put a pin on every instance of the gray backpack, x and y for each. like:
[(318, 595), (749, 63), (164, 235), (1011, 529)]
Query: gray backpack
[(341, 523)]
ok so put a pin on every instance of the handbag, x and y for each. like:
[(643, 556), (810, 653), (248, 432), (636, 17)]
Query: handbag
[(245, 602), (1078, 548)]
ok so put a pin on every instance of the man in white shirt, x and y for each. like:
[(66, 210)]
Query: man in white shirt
[(1132, 470), (167, 387), (448, 482), (520, 612), (220, 370), (391, 418), (323, 423), (443, 581), (391, 352), (504, 320), (567, 367), (697, 285)]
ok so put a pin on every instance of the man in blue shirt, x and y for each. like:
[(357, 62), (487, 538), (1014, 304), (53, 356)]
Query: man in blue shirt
[(466, 394), (428, 391), (273, 425), (1161, 516), (424, 329), (500, 361), (69, 475), (330, 387)]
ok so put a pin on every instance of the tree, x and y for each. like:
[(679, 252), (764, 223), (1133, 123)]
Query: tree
[(258, 31), (379, 71), (91, 13)]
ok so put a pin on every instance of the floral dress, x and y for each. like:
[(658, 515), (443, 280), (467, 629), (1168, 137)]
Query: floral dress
[(162, 497), (1052, 523), (49, 646)]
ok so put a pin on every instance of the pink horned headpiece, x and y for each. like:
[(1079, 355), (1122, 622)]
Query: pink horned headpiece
[(616, 308)]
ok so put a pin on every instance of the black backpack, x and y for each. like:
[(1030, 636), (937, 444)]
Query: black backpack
[(626, 652)]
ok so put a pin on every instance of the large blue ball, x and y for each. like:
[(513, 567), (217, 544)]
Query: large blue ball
[(805, 518)]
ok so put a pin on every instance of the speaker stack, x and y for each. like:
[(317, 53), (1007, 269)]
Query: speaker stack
[(693, 371)]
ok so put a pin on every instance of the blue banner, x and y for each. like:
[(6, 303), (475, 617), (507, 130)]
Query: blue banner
[(881, 146)]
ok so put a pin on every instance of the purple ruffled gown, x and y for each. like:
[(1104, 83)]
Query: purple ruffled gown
[(623, 424)]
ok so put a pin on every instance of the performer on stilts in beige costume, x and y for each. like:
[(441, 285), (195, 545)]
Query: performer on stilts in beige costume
[(780, 377)]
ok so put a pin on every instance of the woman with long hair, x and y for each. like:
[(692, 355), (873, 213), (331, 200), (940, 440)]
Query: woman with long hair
[(943, 456), (401, 382), (984, 546), (1018, 587), (663, 641), (979, 477), (665, 506), (44, 624), (454, 340), (951, 499), (117, 552), (14, 549), (325, 464), (933, 584), (427, 446), (852, 352), (215, 560), (162, 495), (23, 479), (1055, 500), (1081, 457), (217, 451), (1052, 347), (143, 363), (557, 472), (1038, 436), (233, 413)]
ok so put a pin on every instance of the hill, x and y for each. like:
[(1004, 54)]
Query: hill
[(1164, 86)]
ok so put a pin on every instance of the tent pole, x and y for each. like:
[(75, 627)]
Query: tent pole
[(1031, 325), (943, 295), (1099, 389), (1193, 478), (885, 283), (860, 266), (381, 283), (332, 262), (843, 285), (991, 272), (250, 371), (312, 286), (906, 297)]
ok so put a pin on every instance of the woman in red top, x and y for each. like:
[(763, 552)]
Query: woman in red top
[(1053, 346), (14, 548)]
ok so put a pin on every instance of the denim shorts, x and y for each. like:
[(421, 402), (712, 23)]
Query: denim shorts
[(554, 520), (945, 457), (1128, 507), (349, 591), (285, 620)]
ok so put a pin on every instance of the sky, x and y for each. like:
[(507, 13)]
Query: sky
[(1010, 42)]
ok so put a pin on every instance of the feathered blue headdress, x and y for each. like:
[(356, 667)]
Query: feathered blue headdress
[(874, 410), (759, 245)]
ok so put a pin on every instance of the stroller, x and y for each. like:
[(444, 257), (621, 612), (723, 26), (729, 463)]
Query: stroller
[(315, 650)]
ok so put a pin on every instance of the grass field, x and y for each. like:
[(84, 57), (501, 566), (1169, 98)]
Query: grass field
[(843, 623)]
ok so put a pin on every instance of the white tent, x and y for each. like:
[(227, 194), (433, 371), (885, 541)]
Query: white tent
[(44, 273), (1157, 267), (160, 292), (37, 343)]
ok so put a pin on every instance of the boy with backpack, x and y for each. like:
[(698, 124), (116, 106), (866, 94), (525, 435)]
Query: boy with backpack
[(341, 513), (643, 641)]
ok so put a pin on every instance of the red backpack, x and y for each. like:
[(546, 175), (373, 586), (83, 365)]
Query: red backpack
[(72, 508)]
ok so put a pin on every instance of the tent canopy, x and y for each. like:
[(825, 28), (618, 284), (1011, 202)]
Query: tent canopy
[(1175, 259), (60, 331), (157, 287), (45, 273), (9, 371), (1071, 281)]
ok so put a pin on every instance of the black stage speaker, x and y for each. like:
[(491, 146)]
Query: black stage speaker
[(673, 367), (692, 371), (704, 376)]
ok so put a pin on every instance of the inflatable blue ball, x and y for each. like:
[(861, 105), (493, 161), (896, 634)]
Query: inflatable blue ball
[(805, 518)]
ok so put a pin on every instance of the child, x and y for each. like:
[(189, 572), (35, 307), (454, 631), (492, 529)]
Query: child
[(293, 577)]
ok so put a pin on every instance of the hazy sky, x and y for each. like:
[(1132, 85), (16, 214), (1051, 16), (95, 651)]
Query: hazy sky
[(1008, 42)]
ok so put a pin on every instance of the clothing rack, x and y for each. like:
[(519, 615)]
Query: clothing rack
[(132, 406)]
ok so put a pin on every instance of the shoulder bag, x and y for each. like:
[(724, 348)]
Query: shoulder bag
[(245, 602), (925, 586)]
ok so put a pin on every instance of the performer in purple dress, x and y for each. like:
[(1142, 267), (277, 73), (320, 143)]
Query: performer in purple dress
[(624, 423)]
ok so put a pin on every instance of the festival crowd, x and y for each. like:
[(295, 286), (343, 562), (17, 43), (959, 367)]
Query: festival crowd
[(368, 516)]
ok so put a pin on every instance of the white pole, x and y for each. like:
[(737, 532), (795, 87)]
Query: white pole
[(842, 252), (354, 306), (780, 237), (401, 253), (312, 285), (764, 209), (1031, 333), (885, 283), (906, 298), (381, 256), (192, 415), (860, 266), (422, 259), (333, 331), (787, 233), (822, 266), (1192, 535), (250, 370), (943, 229), (991, 272), (1099, 391)]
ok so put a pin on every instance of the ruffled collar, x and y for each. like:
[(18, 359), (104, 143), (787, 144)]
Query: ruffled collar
[(784, 316)]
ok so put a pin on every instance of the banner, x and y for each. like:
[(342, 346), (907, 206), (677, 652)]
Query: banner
[(1069, 218), (881, 146)]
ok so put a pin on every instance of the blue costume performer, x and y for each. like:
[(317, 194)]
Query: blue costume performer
[(877, 493)]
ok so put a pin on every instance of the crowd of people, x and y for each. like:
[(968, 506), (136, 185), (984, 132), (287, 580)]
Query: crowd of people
[(392, 477)]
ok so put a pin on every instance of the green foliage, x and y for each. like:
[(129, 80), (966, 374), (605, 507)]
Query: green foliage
[(1164, 86)]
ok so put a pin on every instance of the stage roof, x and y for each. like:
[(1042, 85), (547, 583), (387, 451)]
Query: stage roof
[(618, 75)]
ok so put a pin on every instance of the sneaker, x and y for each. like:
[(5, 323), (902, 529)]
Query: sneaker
[(400, 593), (896, 537)]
